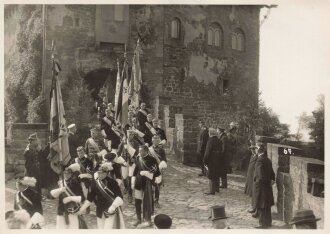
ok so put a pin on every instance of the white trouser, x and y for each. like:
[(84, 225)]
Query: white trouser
[(108, 223), (73, 222), (131, 169), (124, 172)]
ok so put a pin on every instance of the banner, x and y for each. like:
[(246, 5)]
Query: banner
[(118, 84), (136, 78), (59, 145), (122, 107)]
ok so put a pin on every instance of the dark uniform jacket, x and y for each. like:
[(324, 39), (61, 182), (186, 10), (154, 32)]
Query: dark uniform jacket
[(111, 135), (74, 184), (141, 119), (32, 163), (86, 165), (263, 175), (161, 134), (28, 200), (160, 153), (116, 172), (213, 158), (147, 134), (101, 202), (73, 145), (147, 163), (203, 136), (224, 151)]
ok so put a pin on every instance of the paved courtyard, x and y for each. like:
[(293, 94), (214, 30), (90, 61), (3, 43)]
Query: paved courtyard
[(182, 198)]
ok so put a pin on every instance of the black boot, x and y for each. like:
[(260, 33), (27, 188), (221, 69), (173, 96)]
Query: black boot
[(138, 210)]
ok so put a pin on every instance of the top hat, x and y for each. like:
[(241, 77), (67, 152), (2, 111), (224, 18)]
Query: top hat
[(218, 212), (163, 221), (303, 216), (33, 136)]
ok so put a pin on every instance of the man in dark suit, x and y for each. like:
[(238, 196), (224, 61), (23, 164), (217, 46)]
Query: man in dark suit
[(264, 177), (224, 152), (202, 139)]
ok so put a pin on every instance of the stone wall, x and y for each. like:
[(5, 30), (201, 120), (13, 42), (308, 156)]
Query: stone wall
[(14, 150), (293, 176)]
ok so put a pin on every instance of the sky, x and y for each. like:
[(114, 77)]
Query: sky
[(294, 59)]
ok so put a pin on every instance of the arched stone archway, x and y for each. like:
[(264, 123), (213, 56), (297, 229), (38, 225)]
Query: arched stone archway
[(102, 79)]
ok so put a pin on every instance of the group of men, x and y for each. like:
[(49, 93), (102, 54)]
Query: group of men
[(216, 149), (114, 155)]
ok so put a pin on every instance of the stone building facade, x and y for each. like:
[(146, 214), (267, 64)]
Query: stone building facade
[(198, 62)]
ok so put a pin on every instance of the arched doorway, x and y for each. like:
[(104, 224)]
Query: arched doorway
[(102, 82)]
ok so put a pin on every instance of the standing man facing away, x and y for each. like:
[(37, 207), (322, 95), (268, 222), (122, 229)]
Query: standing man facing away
[(224, 152), (202, 139), (264, 177)]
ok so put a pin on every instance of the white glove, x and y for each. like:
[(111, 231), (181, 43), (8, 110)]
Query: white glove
[(147, 174), (103, 133), (85, 175), (125, 146), (57, 192), (158, 179), (119, 181), (117, 202), (163, 142), (83, 207), (111, 210), (37, 218), (147, 144), (133, 182), (67, 199), (125, 164), (162, 165), (119, 160)]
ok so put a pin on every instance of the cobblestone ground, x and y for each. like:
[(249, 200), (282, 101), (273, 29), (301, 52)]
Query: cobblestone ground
[(182, 198)]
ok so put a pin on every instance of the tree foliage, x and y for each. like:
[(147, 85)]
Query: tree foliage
[(23, 78)]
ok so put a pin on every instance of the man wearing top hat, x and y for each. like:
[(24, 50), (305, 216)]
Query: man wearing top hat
[(214, 161), (145, 172), (263, 178), (73, 140), (304, 219), (250, 173), (69, 195), (32, 159), (27, 197), (202, 139), (107, 196), (232, 144), (224, 152)]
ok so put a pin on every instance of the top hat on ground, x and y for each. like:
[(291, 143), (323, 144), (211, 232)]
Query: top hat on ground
[(303, 216), (33, 136), (162, 221), (218, 212)]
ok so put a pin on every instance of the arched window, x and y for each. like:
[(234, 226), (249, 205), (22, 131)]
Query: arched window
[(238, 40), (214, 35), (210, 37), (175, 28), (217, 37)]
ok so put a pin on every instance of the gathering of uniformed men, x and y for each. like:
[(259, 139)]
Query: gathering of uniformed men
[(133, 156), (113, 155)]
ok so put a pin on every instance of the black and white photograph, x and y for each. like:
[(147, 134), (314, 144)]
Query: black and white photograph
[(170, 115)]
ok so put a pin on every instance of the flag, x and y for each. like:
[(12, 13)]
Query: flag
[(59, 145), (118, 83), (122, 108), (136, 79)]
